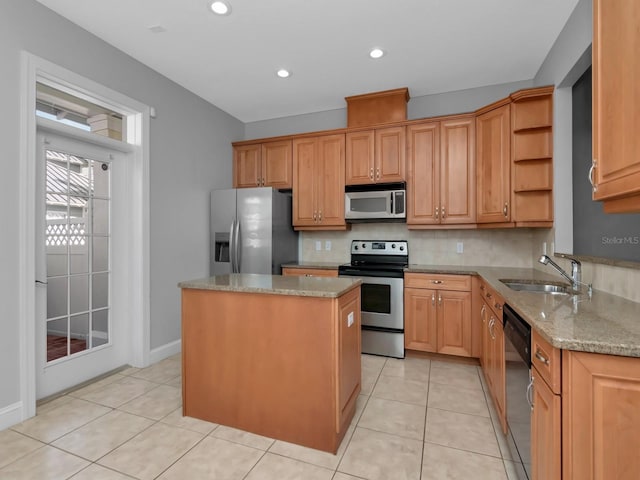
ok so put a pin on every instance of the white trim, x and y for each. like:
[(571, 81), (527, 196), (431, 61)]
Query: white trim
[(165, 351), (51, 126), (35, 69), (10, 415)]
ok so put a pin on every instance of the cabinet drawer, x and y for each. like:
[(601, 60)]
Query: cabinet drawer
[(309, 272), (492, 299), (460, 283), (546, 359)]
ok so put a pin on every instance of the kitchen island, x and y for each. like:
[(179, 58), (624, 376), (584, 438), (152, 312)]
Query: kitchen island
[(276, 356)]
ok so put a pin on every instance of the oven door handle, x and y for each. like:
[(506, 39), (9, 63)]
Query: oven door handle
[(356, 272)]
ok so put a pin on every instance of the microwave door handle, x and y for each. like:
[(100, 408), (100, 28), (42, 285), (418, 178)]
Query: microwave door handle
[(391, 202)]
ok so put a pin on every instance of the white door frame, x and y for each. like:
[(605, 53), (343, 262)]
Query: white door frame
[(35, 69)]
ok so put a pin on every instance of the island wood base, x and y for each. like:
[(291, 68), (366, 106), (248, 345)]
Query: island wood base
[(286, 367)]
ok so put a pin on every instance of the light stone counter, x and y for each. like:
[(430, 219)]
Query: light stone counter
[(313, 265), (604, 323), (327, 287)]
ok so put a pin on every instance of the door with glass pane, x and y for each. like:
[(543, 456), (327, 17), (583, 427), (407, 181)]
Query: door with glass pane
[(74, 308)]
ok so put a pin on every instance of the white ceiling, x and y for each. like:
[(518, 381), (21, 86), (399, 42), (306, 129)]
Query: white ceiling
[(432, 46)]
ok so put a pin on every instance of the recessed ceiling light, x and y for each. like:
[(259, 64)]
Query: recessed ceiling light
[(283, 73), (376, 53), (220, 8)]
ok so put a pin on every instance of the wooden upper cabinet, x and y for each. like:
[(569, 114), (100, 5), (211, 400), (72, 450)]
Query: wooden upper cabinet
[(441, 181), (375, 156), (423, 165), (457, 171), (390, 154), (616, 103), (246, 166), (276, 164), (318, 182), (263, 165), (493, 165), (600, 416), (360, 157)]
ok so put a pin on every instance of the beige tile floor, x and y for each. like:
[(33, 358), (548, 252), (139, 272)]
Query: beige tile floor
[(416, 419)]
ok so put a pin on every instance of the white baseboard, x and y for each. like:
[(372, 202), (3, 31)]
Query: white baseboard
[(10, 415), (165, 351)]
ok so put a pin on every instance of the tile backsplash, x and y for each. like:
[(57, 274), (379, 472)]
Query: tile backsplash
[(621, 281), (508, 247)]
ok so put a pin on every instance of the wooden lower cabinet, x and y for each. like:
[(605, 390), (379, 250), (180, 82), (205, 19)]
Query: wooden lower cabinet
[(310, 272), (437, 320), (546, 433), (496, 367), (600, 417)]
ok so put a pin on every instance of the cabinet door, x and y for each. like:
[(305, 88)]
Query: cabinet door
[(330, 180), (423, 187), (276, 164), (304, 176), (246, 166), (454, 323), (390, 154), (457, 171), (545, 431), (616, 101), (359, 168), (498, 373), (486, 359), (600, 416), (420, 319), (493, 157)]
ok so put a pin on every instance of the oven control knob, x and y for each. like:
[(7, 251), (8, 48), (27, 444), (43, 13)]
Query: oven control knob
[(355, 247), (401, 248), (364, 245), (393, 245)]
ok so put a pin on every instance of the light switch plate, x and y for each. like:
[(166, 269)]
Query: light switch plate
[(318, 245), (350, 319), (327, 245), (459, 247)]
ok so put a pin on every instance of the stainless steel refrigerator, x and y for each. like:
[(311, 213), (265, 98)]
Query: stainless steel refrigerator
[(251, 231)]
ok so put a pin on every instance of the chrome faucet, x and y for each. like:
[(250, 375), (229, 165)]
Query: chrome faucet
[(576, 272)]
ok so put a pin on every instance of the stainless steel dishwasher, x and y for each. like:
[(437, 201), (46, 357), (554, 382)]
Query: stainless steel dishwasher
[(517, 334)]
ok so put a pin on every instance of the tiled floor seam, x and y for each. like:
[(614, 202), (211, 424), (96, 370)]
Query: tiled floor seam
[(264, 452), (180, 457), (464, 450), (424, 427)]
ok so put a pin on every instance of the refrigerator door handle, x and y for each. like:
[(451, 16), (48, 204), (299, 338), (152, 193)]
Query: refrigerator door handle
[(238, 244), (232, 247)]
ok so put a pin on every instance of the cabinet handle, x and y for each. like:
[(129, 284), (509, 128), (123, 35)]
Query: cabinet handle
[(263, 182), (488, 295), (482, 311), (491, 324), (593, 166), (505, 210), (371, 173), (482, 287), (378, 173), (320, 216), (437, 213), (530, 393), (440, 300), (433, 299), (541, 357), (498, 306), (443, 212), (315, 217), (437, 282)]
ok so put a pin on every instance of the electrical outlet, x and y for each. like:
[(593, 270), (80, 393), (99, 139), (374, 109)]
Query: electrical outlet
[(318, 245), (350, 319), (459, 247), (327, 245)]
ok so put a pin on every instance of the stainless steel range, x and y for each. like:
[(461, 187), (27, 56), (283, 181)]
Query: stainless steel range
[(381, 265)]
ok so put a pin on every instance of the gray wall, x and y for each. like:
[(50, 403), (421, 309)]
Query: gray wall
[(190, 155), (567, 60), (448, 103)]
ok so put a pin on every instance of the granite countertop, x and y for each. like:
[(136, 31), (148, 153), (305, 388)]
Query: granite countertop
[(328, 287), (313, 265), (604, 323)]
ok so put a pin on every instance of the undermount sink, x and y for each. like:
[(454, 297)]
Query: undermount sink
[(539, 287)]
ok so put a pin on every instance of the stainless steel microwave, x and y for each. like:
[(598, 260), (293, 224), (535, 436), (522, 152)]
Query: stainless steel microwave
[(375, 203)]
